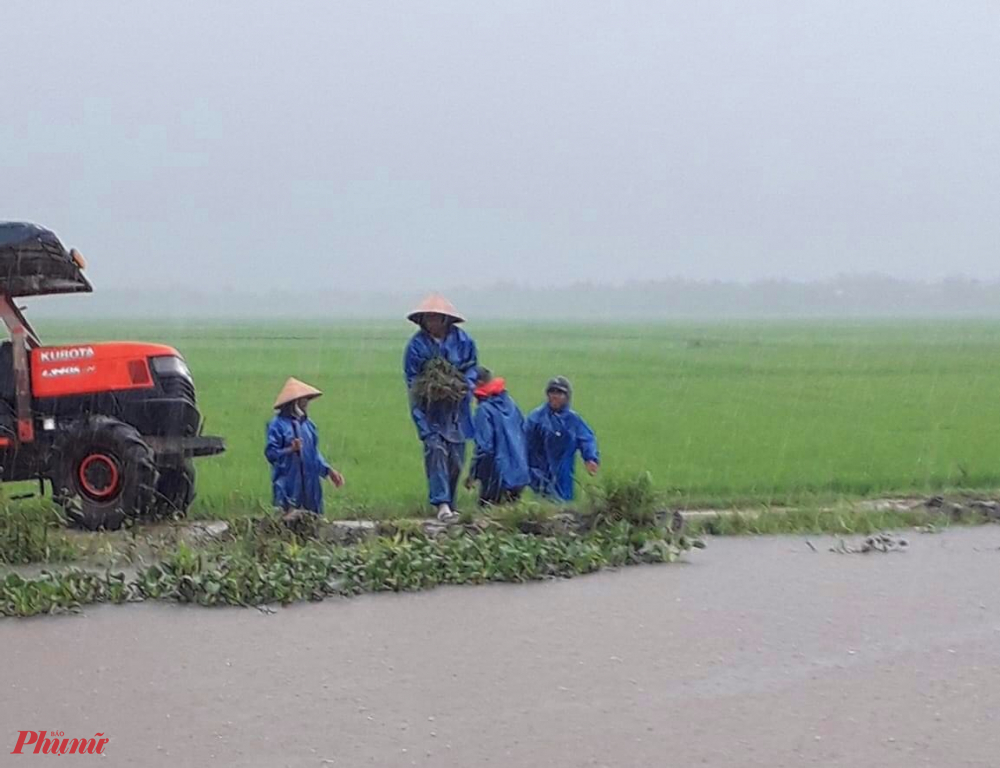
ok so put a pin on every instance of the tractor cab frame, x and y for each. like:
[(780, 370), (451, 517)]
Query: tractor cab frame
[(23, 338)]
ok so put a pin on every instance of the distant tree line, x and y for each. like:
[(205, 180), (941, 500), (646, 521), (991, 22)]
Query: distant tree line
[(847, 296)]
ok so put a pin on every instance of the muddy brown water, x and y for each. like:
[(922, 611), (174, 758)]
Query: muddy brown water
[(759, 652)]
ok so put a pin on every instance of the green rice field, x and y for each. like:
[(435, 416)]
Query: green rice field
[(718, 414)]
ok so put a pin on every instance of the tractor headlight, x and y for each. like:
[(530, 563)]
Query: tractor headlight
[(170, 366)]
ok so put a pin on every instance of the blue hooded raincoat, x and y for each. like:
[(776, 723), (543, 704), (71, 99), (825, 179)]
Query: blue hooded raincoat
[(554, 437), (296, 478), (500, 461), (443, 427), (451, 422)]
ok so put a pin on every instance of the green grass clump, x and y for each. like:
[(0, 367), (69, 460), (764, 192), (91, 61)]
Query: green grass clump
[(618, 498), (33, 533), (526, 516)]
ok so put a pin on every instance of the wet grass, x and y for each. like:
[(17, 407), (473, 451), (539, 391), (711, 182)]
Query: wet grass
[(719, 415), (34, 533)]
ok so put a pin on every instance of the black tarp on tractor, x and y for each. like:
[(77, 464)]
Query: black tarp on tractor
[(34, 263)]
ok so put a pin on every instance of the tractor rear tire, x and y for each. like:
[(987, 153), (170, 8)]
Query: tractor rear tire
[(103, 472), (175, 491)]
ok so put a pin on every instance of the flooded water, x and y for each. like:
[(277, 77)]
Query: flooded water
[(756, 653)]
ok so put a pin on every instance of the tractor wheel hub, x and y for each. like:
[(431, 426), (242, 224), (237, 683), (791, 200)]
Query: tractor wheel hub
[(100, 476)]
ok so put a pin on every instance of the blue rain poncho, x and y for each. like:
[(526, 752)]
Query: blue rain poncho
[(500, 461), (296, 478), (452, 422), (554, 438)]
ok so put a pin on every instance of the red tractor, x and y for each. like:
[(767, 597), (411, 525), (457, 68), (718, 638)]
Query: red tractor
[(113, 427)]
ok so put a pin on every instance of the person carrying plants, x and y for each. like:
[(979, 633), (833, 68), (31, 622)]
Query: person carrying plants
[(500, 462), (297, 466), (554, 434), (440, 367)]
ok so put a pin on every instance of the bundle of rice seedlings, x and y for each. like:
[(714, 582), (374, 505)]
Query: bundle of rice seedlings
[(439, 382)]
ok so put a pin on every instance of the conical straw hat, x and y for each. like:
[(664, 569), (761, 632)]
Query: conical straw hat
[(435, 304), (295, 390)]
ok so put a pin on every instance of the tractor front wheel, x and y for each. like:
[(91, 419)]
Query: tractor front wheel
[(102, 471)]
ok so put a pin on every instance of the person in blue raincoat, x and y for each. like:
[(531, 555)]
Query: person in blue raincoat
[(297, 465), (500, 461), (442, 427), (555, 433)]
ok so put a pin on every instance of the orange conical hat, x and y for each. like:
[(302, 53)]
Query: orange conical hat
[(435, 304), (295, 390)]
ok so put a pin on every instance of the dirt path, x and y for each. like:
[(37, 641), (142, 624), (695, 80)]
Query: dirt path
[(757, 653)]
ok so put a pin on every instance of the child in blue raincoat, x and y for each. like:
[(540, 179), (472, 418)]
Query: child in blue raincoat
[(500, 461), (297, 466), (555, 434), (442, 427)]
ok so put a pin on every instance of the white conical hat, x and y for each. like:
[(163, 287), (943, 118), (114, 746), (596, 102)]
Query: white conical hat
[(435, 304), (295, 390)]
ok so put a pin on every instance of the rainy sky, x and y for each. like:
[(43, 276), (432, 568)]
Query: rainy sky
[(393, 146)]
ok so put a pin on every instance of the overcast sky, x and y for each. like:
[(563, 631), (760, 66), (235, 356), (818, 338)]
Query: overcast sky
[(393, 146)]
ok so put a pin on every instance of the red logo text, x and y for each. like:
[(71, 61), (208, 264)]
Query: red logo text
[(55, 744)]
